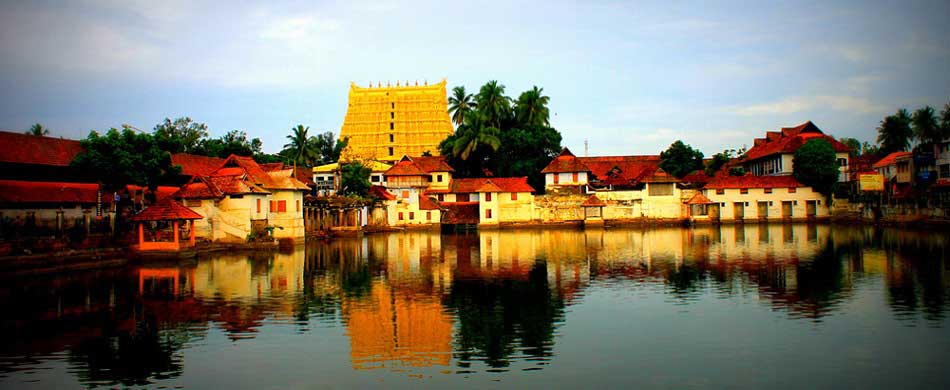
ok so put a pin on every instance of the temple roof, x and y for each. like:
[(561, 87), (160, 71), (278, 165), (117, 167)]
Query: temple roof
[(16, 191), (31, 149), (789, 140), (750, 181), (493, 184), (593, 201), (699, 198), (381, 193), (626, 171), (565, 162), (427, 204), (166, 210), (195, 165)]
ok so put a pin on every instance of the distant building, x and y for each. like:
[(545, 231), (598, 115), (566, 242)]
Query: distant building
[(773, 154), (752, 198), (386, 123)]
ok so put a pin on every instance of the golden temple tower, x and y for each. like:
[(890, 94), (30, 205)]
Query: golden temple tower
[(385, 123)]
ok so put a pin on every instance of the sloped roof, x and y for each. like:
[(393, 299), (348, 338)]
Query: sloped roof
[(161, 192), (565, 162), (427, 204), (406, 167), (789, 140), (699, 198), (166, 210), (216, 187), (270, 167), (431, 164), (195, 165), (250, 167), (491, 184), (284, 179), (381, 193), (30, 149), (891, 159), (697, 176), (593, 201), (16, 191), (622, 170), (750, 181)]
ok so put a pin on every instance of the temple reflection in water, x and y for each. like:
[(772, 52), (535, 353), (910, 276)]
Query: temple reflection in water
[(458, 301)]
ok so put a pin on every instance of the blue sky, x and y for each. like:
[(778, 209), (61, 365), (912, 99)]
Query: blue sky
[(629, 77)]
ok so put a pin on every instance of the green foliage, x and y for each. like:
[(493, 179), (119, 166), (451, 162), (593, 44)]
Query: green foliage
[(945, 120), (680, 159), (531, 108), (328, 147), (120, 158), (737, 171), (493, 104), (234, 142), (853, 144), (925, 125), (460, 104), (526, 151), (38, 130), (354, 179), (718, 160), (180, 136), (894, 133), (868, 149), (311, 151), (816, 165)]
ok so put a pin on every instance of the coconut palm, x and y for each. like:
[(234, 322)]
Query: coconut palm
[(475, 136), (926, 128), (38, 130), (460, 104), (531, 109), (894, 134), (492, 102), (301, 146)]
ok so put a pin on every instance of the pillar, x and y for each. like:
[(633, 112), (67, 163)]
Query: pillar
[(176, 232), (141, 234), (191, 232)]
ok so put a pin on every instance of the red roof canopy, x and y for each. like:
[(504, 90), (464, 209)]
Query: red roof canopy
[(16, 191), (623, 170), (891, 159), (565, 162), (30, 149), (789, 140), (491, 184), (381, 193), (195, 165), (750, 181), (166, 210), (593, 201)]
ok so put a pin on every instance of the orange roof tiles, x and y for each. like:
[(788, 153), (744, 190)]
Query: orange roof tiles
[(427, 204), (789, 140), (166, 210), (593, 201), (16, 191), (30, 149), (381, 193), (493, 184), (406, 167), (431, 164), (621, 170), (891, 159), (699, 198), (750, 181), (195, 165), (565, 162)]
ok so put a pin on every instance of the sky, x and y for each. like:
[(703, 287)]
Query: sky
[(628, 77)]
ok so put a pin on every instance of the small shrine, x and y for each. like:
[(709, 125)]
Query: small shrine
[(165, 219)]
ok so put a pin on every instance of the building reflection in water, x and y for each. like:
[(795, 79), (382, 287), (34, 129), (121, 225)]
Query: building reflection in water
[(488, 300)]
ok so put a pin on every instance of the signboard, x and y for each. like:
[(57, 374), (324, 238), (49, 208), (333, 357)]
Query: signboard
[(870, 182)]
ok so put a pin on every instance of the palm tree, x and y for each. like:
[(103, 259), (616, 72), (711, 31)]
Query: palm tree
[(532, 108), (894, 134), (460, 104), (38, 130), (926, 128), (492, 102), (474, 136), (945, 121), (301, 147)]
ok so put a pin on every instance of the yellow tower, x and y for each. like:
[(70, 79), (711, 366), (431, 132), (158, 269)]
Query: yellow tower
[(386, 122)]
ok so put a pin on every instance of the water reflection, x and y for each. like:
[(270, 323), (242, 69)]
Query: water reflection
[(489, 301)]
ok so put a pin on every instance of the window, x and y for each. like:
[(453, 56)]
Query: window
[(743, 190), (660, 189), (440, 197), (438, 178), (235, 196), (487, 213), (768, 190), (843, 162), (514, 196), (392, 138), (374, 179), (720, 191), (392, 115), (400, 215), (194, 202), (298, 205), (391, 126), (428, 215), (390, 150), (405, 194), (392, 106), (557, 176), (488, 196), (574, 177), (792, 190), (272, 207), (258, 206), (281, 206), (412, 215)]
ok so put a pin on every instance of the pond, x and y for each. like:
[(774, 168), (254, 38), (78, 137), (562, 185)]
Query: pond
[(753, 306)]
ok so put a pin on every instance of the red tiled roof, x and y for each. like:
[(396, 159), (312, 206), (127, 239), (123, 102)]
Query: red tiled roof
[(427, 204), (270, 167), (491, 184), (195, 165), (593, 201), (166, 210), (750, 181), (892, 158), (16, 191), (431, 164), (697, 176), (789, 140), (699, 198), (161, 192), (30, 149), (565, 162), (621, 170), (215, 187), (406, 167), (381, 193)]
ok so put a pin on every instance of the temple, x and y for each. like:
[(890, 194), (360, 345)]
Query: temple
[(386, 123)]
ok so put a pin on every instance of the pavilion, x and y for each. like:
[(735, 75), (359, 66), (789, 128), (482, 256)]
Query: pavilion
[(164, 211)]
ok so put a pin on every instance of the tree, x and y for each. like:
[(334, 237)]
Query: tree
[(38, 130), (853, 144), (680, 159), (816, 165), (718, 161), (234, 142), (926, 127), (493, 104), (354, 179), (526, 151), (531, 109), (945, 120), (327, 147), (301, 147), (894, 134), (120, 158), (181, 135), (460, 104)]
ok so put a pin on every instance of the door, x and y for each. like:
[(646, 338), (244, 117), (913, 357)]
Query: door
[(763, 210), (787, 209), (713, 210), (811, 208), (738, 210)]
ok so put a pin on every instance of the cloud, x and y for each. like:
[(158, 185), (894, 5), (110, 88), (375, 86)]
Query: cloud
[(798, 104)]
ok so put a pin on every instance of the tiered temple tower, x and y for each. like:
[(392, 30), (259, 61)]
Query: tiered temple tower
[(385, 123)]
